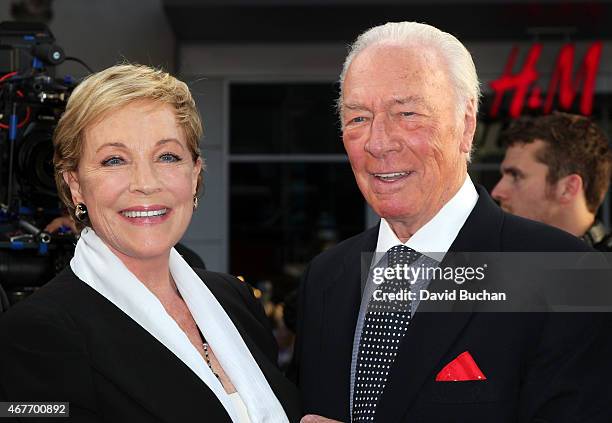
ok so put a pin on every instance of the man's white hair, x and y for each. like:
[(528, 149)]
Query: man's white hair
[(457, 57)]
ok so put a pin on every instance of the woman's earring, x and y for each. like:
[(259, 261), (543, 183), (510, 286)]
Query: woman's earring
[(80, 212), (195, 202)]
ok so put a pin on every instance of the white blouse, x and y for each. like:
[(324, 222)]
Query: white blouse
[(240, 408)]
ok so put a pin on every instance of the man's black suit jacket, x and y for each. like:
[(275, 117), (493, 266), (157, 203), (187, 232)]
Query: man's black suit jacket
[(69, 343), (539, 367)]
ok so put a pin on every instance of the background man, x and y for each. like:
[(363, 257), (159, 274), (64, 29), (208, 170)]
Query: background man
[(408, 105), (557, 170)]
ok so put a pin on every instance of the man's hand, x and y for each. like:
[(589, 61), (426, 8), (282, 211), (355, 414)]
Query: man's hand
[(313, 418)]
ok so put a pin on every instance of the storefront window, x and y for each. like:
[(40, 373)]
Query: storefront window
[(292, 191)]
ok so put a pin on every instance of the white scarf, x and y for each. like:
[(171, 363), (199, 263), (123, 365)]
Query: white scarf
[(96, 265)]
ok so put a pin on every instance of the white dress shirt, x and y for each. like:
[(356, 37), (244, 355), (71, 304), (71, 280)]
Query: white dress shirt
[(437, 235)]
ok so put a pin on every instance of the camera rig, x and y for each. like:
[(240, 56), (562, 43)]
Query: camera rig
[(32, 100)]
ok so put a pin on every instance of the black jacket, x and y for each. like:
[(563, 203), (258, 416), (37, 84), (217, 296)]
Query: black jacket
[(69, 343), (539, 367), (598, 237)]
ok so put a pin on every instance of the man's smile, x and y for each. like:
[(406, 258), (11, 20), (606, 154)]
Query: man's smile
[(392, 176)]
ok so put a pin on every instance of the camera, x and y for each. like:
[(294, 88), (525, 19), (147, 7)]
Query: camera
[(32, 100)]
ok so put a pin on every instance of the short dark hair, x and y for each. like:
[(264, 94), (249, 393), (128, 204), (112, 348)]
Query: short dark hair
[(574, 144)]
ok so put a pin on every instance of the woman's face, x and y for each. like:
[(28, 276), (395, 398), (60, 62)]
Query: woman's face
[(137, 178)]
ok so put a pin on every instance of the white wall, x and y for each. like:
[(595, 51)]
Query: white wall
[(208, 232)]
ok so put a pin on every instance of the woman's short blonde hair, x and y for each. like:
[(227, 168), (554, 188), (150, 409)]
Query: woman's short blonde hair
[(109, 90)]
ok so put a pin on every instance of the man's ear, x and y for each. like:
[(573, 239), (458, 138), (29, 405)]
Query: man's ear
[(72, 179), (569, 187), (469, 127)]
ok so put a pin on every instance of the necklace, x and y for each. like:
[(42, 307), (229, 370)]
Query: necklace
[(207, 358), (206, 355)]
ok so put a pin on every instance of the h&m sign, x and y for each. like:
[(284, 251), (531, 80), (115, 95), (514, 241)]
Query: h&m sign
[(526, 91)]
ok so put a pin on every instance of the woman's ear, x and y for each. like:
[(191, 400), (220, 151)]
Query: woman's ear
[(197, 168), (72, 179)]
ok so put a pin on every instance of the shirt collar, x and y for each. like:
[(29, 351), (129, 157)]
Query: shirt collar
[(437, 235)]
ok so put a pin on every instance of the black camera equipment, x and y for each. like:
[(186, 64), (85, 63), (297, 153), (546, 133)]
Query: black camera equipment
[(32, 100)]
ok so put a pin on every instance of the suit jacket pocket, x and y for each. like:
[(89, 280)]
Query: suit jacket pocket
[(462, 392)]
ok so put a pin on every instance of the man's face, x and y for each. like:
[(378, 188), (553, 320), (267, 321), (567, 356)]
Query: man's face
[(403, 135), (522, 189)]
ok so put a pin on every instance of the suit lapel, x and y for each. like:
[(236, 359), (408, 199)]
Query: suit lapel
[(435, 328), (341, 302), (482, 229)]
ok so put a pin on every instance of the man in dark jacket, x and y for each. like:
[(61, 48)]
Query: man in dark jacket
[(408, 105)]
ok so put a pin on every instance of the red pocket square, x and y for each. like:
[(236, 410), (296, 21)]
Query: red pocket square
[(461, 368)]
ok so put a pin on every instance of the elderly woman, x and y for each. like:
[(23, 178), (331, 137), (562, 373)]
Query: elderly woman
[(129, 332)]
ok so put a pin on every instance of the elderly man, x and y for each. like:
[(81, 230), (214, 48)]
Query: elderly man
[(557, 171), (408, 105)]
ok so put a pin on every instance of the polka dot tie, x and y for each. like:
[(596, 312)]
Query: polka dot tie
[(384, 326)]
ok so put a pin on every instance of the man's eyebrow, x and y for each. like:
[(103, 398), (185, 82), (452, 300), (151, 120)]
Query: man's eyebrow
[(511, 170), (413, 99), (410, 99), (354, 106)]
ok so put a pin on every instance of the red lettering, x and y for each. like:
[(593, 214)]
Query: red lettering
[(535, 98), (562, 78), (518, 82)]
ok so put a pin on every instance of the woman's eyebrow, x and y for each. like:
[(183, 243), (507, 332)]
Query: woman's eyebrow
[(112, 144), (123, 146), (170, 140)]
